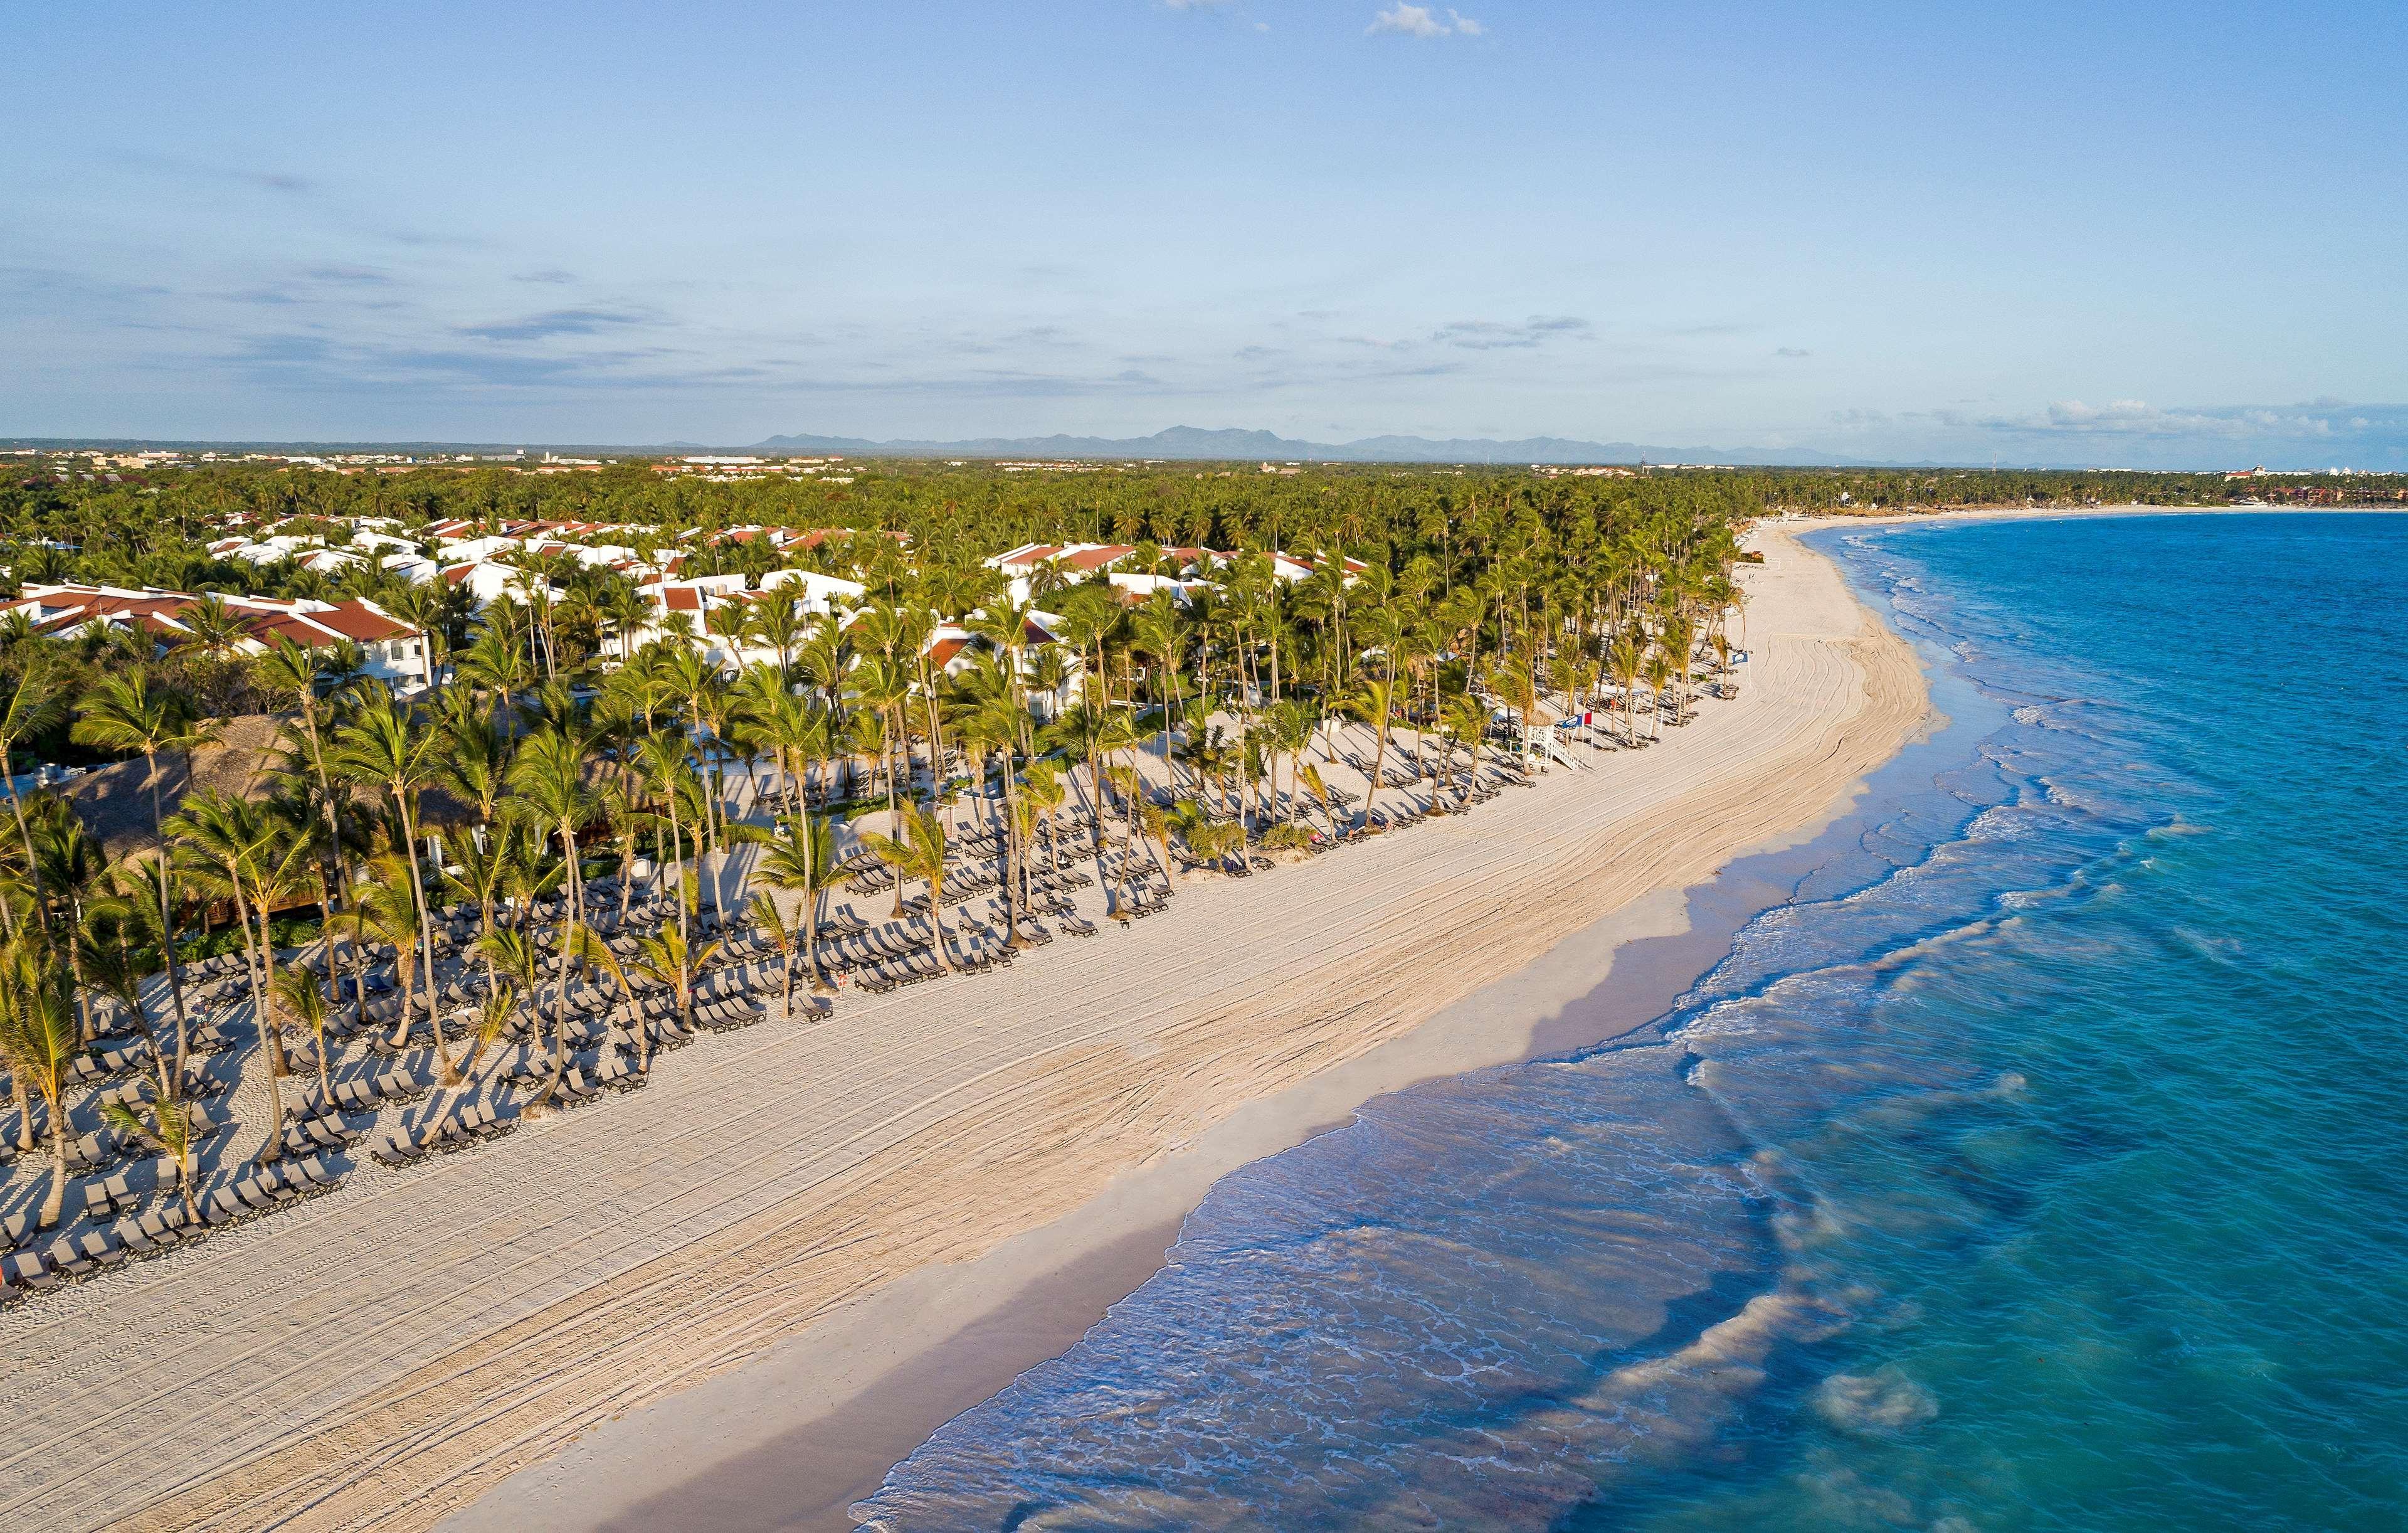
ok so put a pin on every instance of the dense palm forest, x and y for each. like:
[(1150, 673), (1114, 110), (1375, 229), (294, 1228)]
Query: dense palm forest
[(153, 523), (585, 800)]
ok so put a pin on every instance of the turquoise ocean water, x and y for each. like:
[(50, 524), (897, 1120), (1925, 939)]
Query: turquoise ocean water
[(2041, 1162)]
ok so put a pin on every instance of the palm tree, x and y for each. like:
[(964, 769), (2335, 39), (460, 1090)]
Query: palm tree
[(994, 729), (1288, 729), (881, 685), (779, 622), (494, 665), (780, 718), (1372, 700), (478, 865), (213, 628), (627, 610), (919, 854), (666, 959), (520, 966), (1681, 647), (1160, 631), (660, 759), (391, 913), (104, 941), (296, 990), (1154, 825), (766, 915), (126, 715), (473, 761), (1079, 732), (70, 865), (1462, 721), (39, 1037), (225, 843), (384, 745), (155, 894), (36, 703), (295, 670), (1659, 677), (1206, 754), (1045, 793), (164, 1120), (424, 608), (802, 860), (1626, 661), (549, 781), (581, 946)]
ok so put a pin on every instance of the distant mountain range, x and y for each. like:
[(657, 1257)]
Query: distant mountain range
[(1179, 443), (1193, 442)]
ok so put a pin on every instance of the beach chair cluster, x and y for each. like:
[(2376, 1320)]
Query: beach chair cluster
[(456, 1131), (208, 1038), (370, 1093), (325, 1132), (270, 1189), (132, 1236), (96, 1064)]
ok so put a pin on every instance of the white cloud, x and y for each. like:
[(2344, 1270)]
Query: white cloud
[(1411, 20), (1465, 25)]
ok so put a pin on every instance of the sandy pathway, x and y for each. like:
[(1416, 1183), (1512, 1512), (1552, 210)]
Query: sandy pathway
[(385, 1355)]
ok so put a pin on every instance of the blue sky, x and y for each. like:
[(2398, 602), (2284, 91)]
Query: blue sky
[(2139, 233)]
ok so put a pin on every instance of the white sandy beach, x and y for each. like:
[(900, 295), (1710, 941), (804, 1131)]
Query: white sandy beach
[(390, 1355)]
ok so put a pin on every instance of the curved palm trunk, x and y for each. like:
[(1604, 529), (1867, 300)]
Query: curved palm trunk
[(25, 837), (60, 1128), (334, 832), (572, 919), (448, 1074), (168, 933), (936, 919), (24, 1106), (811, 903), (677, 851), (1015, 895), (325, 1083), (820, 983), (1379, 765)]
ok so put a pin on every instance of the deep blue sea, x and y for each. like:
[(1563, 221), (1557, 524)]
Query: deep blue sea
[(2040, 1163)]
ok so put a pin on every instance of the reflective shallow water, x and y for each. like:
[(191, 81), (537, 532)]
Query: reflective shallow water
[(2037, 1164)]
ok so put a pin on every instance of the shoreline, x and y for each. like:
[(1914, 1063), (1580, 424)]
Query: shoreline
[(875, 1379), (390, 1356)]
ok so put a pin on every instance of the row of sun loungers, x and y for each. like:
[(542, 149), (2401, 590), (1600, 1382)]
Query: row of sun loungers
[(406, 1147), (270, 1189), (311, 1135), (368, 1094), (70, 1258)]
